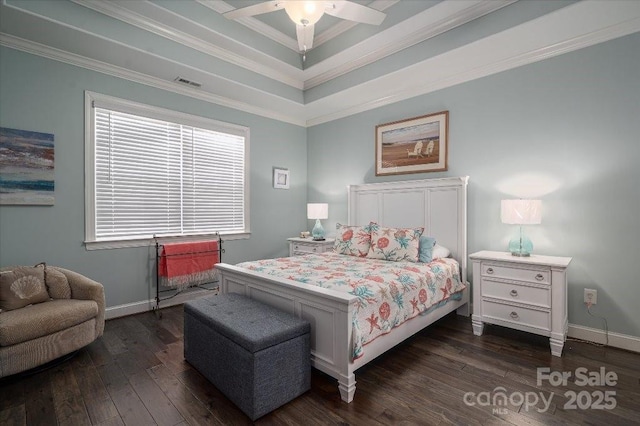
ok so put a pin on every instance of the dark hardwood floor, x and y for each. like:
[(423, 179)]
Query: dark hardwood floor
[(135, 375)]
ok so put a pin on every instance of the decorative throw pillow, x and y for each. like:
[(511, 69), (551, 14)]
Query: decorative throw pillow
[(21, 286), (57, 283), (426, 245), (352, 240), (440, 252), (395, 244)]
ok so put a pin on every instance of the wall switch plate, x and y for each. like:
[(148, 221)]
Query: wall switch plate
[(590, 296)]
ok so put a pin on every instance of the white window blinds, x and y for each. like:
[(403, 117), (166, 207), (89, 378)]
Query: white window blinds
[(156, 177)]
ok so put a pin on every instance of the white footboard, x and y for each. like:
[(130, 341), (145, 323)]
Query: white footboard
[(328, 312)]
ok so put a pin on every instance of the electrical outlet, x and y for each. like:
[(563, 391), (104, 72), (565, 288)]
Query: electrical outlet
[(590, 296)]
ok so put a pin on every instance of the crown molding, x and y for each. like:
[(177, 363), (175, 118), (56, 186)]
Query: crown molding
[(427, 24), (48, 52), (431, 22), (568, 29), (237, 53), (574, 27)]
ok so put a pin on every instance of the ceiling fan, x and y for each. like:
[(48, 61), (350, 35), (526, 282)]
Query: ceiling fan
[(306, 13)]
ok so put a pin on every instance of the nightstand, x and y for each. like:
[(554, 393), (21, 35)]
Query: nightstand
[(524, 293), (302, 246)]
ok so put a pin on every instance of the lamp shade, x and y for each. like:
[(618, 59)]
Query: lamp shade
[(521, 212), (317, 211), (304, 12)]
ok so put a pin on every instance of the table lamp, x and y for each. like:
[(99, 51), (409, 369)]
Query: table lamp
[(317, 211), (521, 212)]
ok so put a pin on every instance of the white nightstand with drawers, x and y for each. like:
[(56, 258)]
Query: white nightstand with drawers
[(524, 293), (302, 246)]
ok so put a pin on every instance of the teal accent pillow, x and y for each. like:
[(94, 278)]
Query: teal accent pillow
[(425, 249)]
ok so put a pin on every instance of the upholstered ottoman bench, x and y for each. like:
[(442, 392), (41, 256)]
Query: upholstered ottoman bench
[(258, 356)]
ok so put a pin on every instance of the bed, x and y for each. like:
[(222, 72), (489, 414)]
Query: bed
[(439, 205)]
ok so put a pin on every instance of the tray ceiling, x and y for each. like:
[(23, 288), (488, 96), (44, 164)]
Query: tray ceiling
[(253, 64)]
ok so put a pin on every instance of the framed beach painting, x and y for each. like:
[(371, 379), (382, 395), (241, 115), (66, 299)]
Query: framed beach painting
[(414, 145), (26, 167)]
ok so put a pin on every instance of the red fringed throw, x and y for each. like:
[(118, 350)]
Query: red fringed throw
[(185, 264)]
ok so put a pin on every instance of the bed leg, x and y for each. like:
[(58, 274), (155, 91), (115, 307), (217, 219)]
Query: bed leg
[(347, 387)]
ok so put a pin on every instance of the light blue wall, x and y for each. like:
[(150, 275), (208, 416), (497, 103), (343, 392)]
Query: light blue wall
[(47, 96), (565, 130)]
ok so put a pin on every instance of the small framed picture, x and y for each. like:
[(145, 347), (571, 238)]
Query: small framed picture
[(280, 178)]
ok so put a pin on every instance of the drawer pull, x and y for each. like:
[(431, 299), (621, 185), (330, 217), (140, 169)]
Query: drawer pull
[(514, 293), (514, 315), (539, 277), (489, 270), (295, 247), (315, 249)]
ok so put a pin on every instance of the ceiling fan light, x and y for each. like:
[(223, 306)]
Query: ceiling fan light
[(304, 12)]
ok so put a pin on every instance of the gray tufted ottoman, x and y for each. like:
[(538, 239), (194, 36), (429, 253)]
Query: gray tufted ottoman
[(258, 356)]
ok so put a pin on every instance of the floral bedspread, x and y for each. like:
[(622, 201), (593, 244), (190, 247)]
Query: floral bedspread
[(388, 293)]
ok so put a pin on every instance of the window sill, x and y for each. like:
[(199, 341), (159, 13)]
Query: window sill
[(146, 242)]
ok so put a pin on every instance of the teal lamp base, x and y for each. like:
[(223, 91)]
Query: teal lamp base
[(318, 231), (521, 245)]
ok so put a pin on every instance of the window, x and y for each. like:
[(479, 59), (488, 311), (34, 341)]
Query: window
[(155, 172)]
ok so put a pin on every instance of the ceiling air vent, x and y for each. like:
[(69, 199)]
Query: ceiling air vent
[(188, 82)]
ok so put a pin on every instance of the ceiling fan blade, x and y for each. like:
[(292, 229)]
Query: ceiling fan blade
[(305, 37), (256, 9), (354, 12)]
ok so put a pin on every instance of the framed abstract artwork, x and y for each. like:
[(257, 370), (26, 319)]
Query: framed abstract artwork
[(26, 167), (414, 145)]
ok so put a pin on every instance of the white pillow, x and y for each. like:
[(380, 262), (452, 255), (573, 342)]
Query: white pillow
[(439, 251)]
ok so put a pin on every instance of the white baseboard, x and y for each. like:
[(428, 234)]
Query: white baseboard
[(149, 305), (128, 309), (616, 340)]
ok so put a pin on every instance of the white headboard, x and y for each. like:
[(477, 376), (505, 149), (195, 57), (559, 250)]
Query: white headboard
[(440, 205)]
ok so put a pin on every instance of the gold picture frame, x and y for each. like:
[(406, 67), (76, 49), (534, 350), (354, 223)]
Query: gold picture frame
[(414, 145)]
